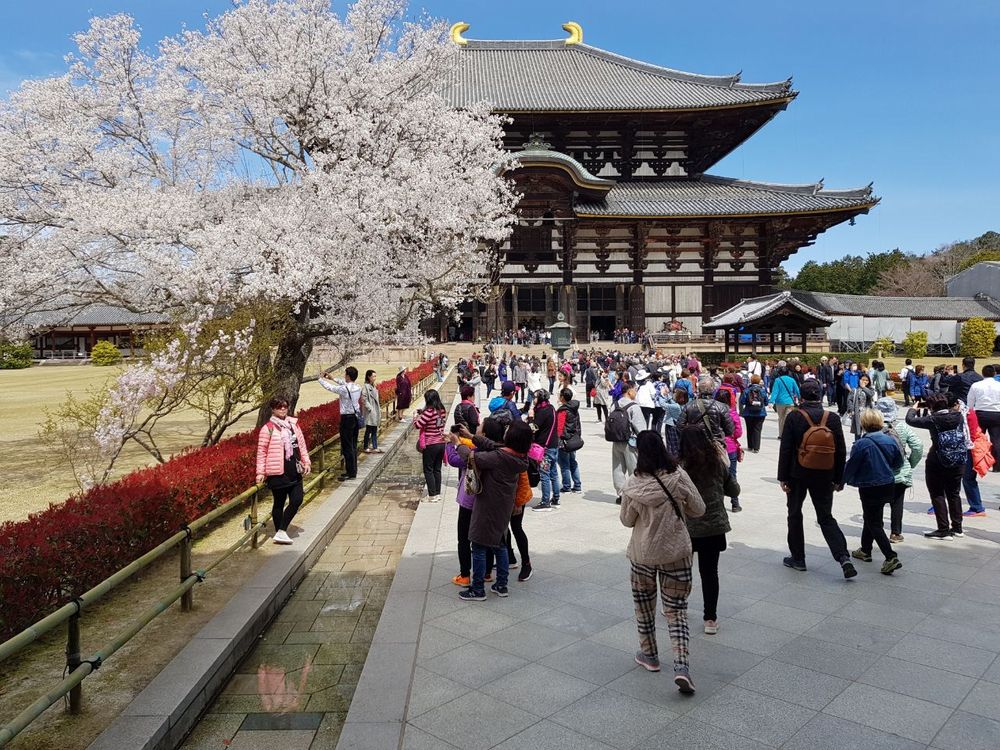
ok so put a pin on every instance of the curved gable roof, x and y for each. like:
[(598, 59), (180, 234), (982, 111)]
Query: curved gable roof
[(550, 75)]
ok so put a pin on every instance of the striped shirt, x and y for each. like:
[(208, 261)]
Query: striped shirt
[(431, 423)]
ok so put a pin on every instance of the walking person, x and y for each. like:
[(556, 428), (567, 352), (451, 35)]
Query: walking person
[(373, 413), (919, 386), (945, 460), (913, 451), (656, 503), (733, 449), (875, 459), (590, 377), (499, 471), (351, 417), (904, 380), (430, 422), (860, 398), (466, 411), (602, 395), (542, 417), (753, 409), (282, 461), (785, 395), (711, 476), (825, 375), (570, 440), (706, 413), (811, 461), (624, 423)]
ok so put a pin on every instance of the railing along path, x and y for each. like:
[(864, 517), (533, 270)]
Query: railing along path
[(78, 669)]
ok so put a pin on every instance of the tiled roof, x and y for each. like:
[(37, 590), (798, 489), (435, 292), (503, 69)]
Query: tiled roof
[(944, 308), (721, 196), (757, 308), (93, 315), (518, 76)]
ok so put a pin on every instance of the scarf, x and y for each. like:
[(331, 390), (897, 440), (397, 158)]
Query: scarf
[(287, 431)]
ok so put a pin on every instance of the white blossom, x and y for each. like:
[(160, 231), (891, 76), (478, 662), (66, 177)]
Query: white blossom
[(283, 154)]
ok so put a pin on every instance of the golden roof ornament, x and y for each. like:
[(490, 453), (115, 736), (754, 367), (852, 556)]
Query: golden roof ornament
[(457, 29), (575, 32)]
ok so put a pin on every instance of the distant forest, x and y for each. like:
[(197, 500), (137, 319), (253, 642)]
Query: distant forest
[(895, 273)]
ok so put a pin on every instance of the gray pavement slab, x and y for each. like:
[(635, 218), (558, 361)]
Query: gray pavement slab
[(802, 661)]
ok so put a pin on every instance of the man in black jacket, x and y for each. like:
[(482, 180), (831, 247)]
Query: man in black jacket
[(706, 411), (797, 480), (570, 440), (825, 376), (543, 416), (960, 384)]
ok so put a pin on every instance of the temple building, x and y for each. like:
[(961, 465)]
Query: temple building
[(621, 223)]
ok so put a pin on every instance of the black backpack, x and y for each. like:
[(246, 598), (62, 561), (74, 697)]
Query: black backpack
[(534, 475), (755, 397), (618, 426)]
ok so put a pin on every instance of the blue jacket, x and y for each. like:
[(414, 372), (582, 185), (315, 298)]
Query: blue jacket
[(875, 457), (851, 379), (918, 384), (751, 411), (785, 391)]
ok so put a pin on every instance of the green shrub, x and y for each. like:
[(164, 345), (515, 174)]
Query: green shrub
[(885, 345), (714, 359), (14, 356), (105, 353), (915, 344), (978, 336)]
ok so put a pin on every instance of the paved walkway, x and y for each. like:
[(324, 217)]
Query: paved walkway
[(294, 689), (802, 661)]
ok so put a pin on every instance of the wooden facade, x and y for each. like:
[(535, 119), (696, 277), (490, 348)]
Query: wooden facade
[(619, 224)]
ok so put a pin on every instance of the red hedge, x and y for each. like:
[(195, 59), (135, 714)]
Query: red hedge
[(61, 552)]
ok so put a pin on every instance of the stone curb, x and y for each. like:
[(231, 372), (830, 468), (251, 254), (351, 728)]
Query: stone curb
[(377, 714), (168, 708)]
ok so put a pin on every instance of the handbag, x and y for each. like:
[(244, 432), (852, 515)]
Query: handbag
[(573, 444), (473, 481), (421, 442)]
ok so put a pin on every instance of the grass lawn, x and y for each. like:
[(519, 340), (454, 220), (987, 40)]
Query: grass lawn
[(34, 477)]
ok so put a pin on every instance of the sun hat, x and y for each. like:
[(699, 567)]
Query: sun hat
[(888, 407)]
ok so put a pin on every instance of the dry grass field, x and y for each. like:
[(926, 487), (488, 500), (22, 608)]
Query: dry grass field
[(34, 476)]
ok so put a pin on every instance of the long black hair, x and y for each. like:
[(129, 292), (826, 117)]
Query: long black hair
[(653, 454), (432, 400)]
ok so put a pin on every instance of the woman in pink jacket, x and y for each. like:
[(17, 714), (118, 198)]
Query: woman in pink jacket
[(725, 397), (282, 460)]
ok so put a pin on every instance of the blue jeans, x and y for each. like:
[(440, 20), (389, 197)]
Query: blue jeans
[(479, 552), (570, 471), (550, 476), (970, 483)]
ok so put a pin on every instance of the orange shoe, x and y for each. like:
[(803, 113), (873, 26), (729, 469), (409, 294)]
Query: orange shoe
[(461, 580)]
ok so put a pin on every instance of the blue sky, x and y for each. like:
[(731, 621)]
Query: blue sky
[(904, 94)]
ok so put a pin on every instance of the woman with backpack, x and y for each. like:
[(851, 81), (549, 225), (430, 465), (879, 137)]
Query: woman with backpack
[(711, 476), (945, 460), (725, 397), (860, 398), (875, 458), (430, 422), (656, 502), (282, 460), (753, 409)]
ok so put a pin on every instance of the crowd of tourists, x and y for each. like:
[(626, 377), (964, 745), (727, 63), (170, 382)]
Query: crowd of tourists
[(678, 432)]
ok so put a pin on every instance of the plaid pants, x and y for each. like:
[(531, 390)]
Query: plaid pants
[(675, 586)]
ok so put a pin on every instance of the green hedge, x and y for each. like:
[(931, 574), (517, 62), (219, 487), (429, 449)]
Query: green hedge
[(14, 356)]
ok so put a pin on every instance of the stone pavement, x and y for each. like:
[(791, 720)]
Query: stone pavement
[(803, 661)]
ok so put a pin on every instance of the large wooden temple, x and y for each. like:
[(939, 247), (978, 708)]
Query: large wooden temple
[(620, 225)]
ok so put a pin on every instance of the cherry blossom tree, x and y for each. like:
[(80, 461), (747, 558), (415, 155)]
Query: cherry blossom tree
[(285, 156)]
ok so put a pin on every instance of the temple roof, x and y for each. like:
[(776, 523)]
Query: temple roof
[(723, 196), (538, 153), (551, 75), (758, 308), (93, 315)]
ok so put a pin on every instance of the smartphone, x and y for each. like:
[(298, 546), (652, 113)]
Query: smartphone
[(456, 428)]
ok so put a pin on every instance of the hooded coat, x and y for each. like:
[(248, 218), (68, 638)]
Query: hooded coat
[(659, 532), (500, 472)]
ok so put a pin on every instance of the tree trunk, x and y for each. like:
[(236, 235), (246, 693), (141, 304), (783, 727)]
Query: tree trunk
[(293, 350)]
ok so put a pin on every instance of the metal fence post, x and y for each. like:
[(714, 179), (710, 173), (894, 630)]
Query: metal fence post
[(187, 598), (253, 517), (73, 660)]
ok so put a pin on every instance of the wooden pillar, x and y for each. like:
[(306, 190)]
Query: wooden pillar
[(515, 320), (765, 244), (493, 309), (550, 316), (708, 264), (725, 333), (619, 306)]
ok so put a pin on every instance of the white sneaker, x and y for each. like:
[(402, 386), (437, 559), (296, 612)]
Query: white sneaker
[(282, 537), (711, 627), (433, 498)]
